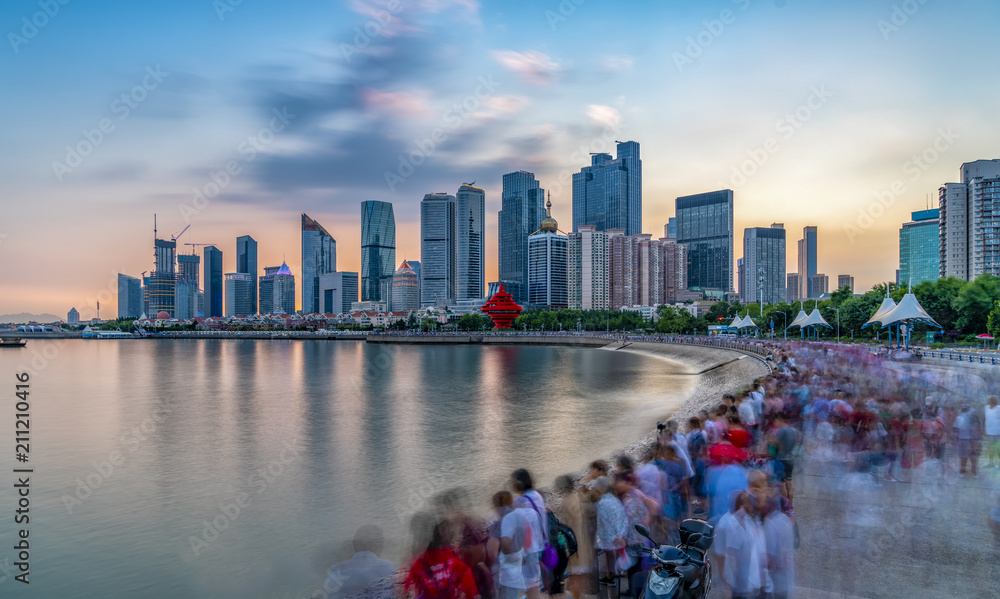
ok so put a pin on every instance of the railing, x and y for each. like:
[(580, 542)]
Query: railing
[(972, 358)]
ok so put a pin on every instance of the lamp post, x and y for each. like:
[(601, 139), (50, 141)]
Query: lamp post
[(785, 327)]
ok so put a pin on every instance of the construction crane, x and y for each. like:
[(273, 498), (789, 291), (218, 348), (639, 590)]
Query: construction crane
[(174, 238), (193, 249)]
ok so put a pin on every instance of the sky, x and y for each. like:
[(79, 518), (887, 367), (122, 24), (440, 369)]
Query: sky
[(234, 117)]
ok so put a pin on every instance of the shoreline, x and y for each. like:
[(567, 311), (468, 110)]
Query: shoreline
[(719, 371)]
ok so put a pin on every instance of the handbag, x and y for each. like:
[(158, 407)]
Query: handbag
[(549, 557)]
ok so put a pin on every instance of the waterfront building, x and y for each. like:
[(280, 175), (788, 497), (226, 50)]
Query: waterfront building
[(608, 193), (246, 263), (338, 292), (763, 265), (820, 284), (239, 288), (212, 282), (73, 317), (521, 209), (437, 249), (793, 288), (675, 269), (705, 228), (845, 281), (547, 286), (969, 221), (670, 229), (163, 279), (587, 269), (378, 249), (405, 289), (919, 248), (319, 257), (186, 290), (129, 297), (369, 306), (265, 290), (807, 263), (284, 290), (415, 265), (470, 242)]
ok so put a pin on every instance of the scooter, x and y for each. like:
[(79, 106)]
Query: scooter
[(684, 571)]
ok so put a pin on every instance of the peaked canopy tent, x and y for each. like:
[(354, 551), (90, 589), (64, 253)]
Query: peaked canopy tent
[(799, 319), (887, 305), (737, 322), (908, 312), (811, 322)]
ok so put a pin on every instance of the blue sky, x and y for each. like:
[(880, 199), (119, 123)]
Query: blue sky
[(710, 89)]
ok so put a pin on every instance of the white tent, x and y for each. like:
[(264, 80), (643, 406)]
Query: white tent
[(748, 322), (801, 318), (815, 319), (737, 322), (887, 305), (908, 310)]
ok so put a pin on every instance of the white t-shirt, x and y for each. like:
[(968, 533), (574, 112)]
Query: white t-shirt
[(536, 506), (780, 537), (513, 525), (993, 420), (747, 413)]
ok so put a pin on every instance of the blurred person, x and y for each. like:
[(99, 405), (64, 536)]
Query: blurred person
[(968, 434), (472, 538), (787, 439), (508, 542), (779, 538), (361, 571), (992, 426), (860, 496), (638, 510), (612, 524), (746, 552), (573, 513), (529, 498), (438, 573)]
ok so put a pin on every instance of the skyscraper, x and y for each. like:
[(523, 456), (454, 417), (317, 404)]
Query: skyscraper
[(547, 265), (608, 193), (670, 229), (820, 284), (163, 279), (437, 249), (845, 281), (338, 290), (587, 269), (246, 263), (239, 288), (764, 264), (186, 291), (319, 256), (470, 242), (807, 263), (73, 316), (283, 282), (265, 289), (129, 297), (213, 281), (378, 249), (705, 228), (969, 221), (675, 268), (794, 288), (522, 207), (405, 289), (919, 251)]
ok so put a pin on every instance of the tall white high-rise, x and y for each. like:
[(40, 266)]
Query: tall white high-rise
[(547, 286), (437, 249), (587, 269), (470, 242), (969, 221)]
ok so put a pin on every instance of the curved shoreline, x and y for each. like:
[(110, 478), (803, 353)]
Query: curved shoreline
[(719, 371)]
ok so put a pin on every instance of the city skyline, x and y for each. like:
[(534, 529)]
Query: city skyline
[(827, 138)]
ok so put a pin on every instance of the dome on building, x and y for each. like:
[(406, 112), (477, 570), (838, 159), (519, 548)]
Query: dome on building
[(162, 315), (549, 224)]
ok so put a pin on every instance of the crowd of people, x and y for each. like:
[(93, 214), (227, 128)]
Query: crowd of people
[(841, 410)]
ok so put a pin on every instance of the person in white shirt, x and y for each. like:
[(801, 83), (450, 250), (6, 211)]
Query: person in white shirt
[(508, 534), (779, 536), (532, 501), (992, 433), (361, 571)]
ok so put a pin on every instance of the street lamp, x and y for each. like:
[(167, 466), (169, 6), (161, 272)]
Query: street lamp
[(785, 327)]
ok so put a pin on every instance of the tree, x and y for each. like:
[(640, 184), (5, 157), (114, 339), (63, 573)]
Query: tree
[(473, 322), (672, 319), (974, 303), (993, 320)]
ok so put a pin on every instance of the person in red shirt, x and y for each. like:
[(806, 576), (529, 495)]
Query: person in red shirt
[(437, 573)]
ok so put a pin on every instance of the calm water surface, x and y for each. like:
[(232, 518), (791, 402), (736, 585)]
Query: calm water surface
[(314, 438)]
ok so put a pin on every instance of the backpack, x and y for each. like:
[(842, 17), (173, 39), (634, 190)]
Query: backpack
[(562, 537)]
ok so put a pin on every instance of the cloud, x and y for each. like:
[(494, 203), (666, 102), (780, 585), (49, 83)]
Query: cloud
[(605, 116), (399, 104), (532, 66), (618, 64)]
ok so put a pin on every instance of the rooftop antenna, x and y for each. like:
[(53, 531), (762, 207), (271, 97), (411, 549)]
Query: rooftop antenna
[(154, 225)]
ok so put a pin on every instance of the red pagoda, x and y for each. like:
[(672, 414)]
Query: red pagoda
[(501, 309)]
